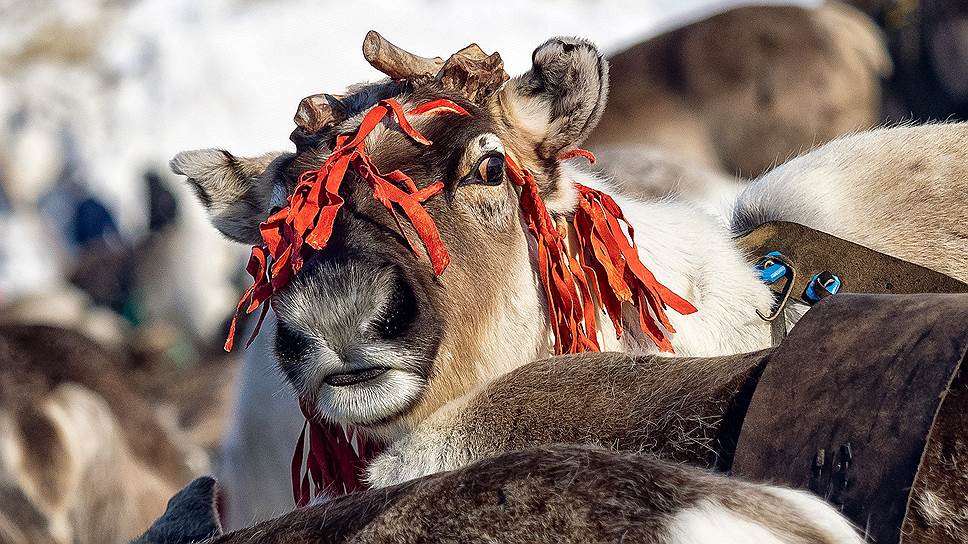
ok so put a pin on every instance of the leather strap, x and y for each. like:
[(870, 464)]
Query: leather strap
[(860, 378), (861, 269)]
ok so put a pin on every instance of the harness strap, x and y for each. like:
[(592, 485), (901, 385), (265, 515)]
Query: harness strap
[(847, 411), (861, 269)]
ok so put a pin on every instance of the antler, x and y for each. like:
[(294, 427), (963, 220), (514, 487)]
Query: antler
[(315, 113), (396, 62), (473, 72), (470, 71)]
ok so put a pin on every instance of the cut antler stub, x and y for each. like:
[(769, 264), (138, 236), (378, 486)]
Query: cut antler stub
[(470, 71), (396, 62), (473, 72), (314, 114), (317, 112)]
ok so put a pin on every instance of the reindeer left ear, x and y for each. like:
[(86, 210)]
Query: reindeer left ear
[(236, 191), (556, 104)]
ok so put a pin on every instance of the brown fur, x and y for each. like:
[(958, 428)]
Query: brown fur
[(749, 88), (21, 522), (939, 506), (37, 359), (677, 409), (90, 456), (626, 402), (551, 494)]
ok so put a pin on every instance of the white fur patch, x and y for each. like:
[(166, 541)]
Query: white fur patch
[(433, 447), (530, 114), (711, 523), (820, 513), (691, 253)]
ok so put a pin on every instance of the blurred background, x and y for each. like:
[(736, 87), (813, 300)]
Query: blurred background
[(116, 293)]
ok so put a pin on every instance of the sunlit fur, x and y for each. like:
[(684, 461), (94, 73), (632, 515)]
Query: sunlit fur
[(486, 315), (898, 190)]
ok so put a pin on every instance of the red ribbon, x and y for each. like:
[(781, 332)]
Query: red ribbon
[(335, 460), (607, 268), (308, 218)]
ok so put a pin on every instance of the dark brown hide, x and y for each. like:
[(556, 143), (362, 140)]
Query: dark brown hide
[(862, 269), (939, 509), (839, 381), (559, 493)]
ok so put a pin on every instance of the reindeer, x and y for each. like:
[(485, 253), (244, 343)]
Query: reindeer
[(376, 340), (562, 493), (784, 77), (84, 458)]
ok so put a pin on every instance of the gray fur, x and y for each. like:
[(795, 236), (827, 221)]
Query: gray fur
[(236, 191), (571, 76)]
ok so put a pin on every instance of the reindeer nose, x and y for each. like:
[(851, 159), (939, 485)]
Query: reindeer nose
[(349, 304), (399, 312)]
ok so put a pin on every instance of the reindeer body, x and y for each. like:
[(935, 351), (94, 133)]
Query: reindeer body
[(85, 457), (561, 493), (375, 339)]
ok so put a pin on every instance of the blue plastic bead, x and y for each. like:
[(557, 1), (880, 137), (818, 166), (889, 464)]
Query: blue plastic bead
[(832, 288), (775, 271)]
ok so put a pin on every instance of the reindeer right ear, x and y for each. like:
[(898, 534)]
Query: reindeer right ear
[(236, 191), (556, 104)]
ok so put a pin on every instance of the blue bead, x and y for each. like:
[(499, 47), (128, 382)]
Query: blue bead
[(831, 287), (773, 272)]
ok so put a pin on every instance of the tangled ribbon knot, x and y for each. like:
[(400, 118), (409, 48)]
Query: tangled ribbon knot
[(306, 223), (605, 266)]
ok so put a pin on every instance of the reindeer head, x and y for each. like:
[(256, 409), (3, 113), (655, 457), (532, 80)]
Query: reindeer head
[(366, 329)]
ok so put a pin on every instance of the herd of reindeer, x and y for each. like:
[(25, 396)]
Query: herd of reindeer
[(479, 400)]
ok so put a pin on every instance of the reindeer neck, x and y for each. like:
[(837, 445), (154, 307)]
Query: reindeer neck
[(692, 253)]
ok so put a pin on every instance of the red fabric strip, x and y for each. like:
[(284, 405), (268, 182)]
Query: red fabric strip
[(306, 224), (608, 265)]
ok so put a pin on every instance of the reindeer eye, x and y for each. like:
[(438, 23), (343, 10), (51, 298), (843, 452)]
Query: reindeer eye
[(490, 170)]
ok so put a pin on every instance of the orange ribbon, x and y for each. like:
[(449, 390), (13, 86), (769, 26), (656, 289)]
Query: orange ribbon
[(607, 268), (309, 217)]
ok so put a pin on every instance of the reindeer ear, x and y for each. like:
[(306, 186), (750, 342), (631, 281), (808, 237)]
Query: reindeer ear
[(191, 516), (236, 191), (559, 101)]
